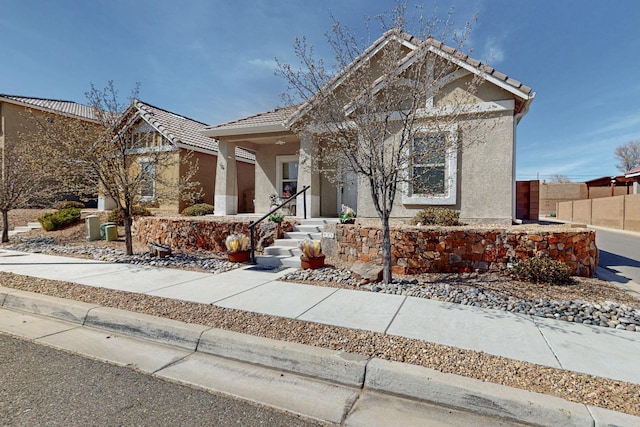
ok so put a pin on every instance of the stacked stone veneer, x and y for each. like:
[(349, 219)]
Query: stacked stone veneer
[(421, 250), (201, 233)]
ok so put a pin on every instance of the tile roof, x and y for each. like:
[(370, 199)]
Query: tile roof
[(633, 171), (484, 68), (55, 105), (181, 130), (285, 116), (276, 116)]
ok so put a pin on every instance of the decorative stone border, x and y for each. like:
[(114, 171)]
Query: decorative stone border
[(206, 233), (429, 250)]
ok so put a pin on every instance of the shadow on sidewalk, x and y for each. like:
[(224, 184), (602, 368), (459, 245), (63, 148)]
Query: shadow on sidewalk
[(610, 261)]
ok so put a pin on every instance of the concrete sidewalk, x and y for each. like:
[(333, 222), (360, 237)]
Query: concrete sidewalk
[(593, 350), (602, 352)]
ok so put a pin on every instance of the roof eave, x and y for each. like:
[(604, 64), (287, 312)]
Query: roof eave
[(500, 83), (244, 130), (48, 110)]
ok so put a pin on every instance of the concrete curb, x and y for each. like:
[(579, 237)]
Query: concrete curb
[(477, 396), (44, 305), (329, 365), (354, 370), (158, 329)]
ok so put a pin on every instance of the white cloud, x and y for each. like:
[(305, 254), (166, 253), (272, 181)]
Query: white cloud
[(493, 51), (269, 64)]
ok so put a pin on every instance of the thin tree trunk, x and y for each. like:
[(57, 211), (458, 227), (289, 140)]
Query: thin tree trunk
[(5, 226), (127, 231), (386, 250)]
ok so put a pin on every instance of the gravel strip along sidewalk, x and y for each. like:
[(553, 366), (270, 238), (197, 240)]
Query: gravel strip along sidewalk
[(615, 395), (204, 261), (608, 314)]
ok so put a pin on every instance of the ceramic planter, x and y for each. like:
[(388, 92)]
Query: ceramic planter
[(311, 263), (242, 256)]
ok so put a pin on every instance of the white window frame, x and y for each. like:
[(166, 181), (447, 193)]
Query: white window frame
[(143, 162), (450, 172), (281, 160), (153, 140)]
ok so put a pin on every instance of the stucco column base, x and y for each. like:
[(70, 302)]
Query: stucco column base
[(308, 174), (226, 193)]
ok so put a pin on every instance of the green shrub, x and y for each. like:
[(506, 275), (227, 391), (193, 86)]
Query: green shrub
[(117, 215), (68, 204), (59, 219), (541, 270), (198, 210), (437, 216)]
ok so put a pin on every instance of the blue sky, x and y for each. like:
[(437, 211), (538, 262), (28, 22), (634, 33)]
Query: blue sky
[(214, 61)]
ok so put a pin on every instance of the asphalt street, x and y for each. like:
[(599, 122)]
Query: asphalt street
[(619, 253), (40, 385)]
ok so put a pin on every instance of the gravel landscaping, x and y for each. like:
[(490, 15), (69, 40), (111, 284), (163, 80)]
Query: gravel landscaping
[(587, 300)]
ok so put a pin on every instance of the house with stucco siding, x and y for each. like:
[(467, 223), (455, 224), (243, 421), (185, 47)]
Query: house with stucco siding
[(479, 179), (151, 128)]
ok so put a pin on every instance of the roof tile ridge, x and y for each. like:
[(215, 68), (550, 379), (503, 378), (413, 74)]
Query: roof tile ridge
[(170, 112)]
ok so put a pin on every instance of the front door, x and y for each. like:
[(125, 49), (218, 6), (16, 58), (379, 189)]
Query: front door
[(348, 191), (287, 178)]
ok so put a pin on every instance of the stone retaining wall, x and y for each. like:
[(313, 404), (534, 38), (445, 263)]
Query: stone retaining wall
[(421, 250), (206, 233)]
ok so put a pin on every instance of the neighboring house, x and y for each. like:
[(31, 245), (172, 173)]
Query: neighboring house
[(19, 115), (151, 127), (480, 179), (635, 175)]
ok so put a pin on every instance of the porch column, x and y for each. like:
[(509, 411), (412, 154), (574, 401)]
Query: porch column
[(308, 174), (226, 192)]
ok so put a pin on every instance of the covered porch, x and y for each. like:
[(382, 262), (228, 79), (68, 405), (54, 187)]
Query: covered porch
[(285, 163)]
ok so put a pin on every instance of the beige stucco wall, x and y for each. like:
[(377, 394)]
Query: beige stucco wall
[(598, 192), (608, 212), (565, 211), (582, 211), (206, 174), (621, 212), (484, 175), (265, 171), (246, 186), (632, 212), (555, 192)]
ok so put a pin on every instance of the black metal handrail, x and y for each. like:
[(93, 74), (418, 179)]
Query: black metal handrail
[(253, 224)]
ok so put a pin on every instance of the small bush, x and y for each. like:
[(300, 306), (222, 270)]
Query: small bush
[(542, 270), (68, 204), (59, 219), (198, 210), (437, 216), (117, 215)]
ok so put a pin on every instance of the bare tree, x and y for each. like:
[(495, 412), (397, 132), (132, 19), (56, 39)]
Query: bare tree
[(111, 158), (559, 178), (370, 116), (628, 156), (27, 178)]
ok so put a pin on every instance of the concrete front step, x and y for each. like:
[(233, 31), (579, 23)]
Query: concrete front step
[(319, 221), (301, 235), (308, 228), (34, 225), (282, 250), (285, 251), (277, 260)]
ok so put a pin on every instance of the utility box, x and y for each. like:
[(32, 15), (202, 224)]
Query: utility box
[(102, 228), (93, 227), (111, 232)]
